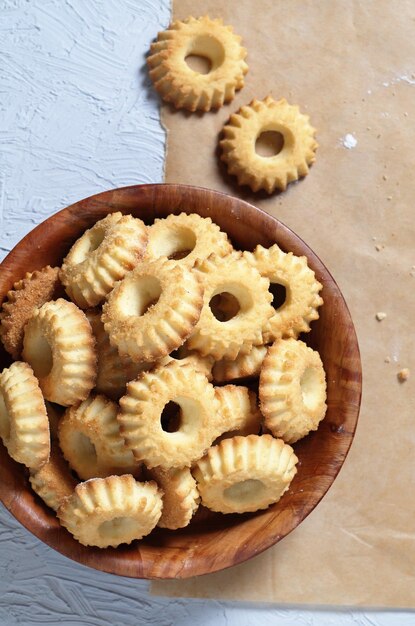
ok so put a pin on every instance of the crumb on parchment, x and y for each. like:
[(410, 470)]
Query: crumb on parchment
[(380, 315), (403, 374)]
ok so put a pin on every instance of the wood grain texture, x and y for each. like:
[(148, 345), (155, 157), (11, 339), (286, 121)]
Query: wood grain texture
[(226, 540)]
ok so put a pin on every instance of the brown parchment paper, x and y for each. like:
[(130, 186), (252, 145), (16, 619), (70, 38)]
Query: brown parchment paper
[(351, 66)]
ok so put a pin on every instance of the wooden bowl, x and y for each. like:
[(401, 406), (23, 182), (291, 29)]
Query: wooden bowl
[(212, 541)]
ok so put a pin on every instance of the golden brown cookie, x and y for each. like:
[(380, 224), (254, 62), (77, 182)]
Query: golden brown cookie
[(177, 83), (110, 511), (239, 411), (89, 436), (292, 390), (31, 292), (181, 497), (103, 255), (185, 238), (232, 276), (245, 474), (24, 424), (53, 482), (113, 371), (274, 172), (153, 310), (302, 298), (169, 416), (60, 347)]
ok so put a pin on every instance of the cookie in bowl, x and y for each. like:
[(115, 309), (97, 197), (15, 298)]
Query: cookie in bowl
[(224, 538)]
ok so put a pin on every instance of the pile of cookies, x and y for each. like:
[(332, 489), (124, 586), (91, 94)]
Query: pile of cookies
[(127, 397), (179, 84)]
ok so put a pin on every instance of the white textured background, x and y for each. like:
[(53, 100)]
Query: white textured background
[(77, 116)]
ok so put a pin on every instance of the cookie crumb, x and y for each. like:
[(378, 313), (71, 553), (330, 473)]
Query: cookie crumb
[(380, 316), (379, 247), (349, 141), (388, 359), (389, 198), (403, 374), (384, 177)]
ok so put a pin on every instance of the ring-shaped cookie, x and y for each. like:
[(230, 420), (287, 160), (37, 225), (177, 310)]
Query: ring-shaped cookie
[(24, 424), (275, 172), (245, 474), (181, 497), (292, 390), (53, 482), (113, 371), (239, 411), (153, 310), (110, 511), (244, 366), (169, 440), (103, 255), (89, 437), (60, 347), (302, 297), (27, 294), (225, 338), (177, 83), (185, 238)]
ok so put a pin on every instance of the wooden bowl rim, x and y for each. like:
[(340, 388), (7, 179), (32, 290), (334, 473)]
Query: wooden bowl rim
[(110, 564)]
